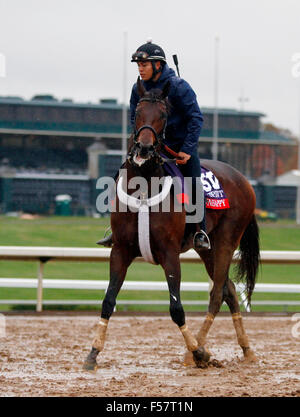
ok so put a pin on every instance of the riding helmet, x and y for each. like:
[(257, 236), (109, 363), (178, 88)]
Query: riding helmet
[(149, 52)]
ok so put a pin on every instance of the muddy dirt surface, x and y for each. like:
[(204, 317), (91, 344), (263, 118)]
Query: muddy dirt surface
[(43, 356)]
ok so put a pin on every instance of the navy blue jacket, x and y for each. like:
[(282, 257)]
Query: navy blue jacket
[(185, 119)]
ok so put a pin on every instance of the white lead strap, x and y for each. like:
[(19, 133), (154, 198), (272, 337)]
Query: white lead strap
[(143, 214), (144, 234)]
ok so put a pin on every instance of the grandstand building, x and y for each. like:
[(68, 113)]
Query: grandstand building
[(50, 147)]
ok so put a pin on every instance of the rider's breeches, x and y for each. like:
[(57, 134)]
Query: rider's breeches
[(192, 169)]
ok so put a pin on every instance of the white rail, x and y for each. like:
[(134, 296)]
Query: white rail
[(45, 254)]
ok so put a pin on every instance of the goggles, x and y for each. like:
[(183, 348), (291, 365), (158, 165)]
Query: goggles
[(143, 56), (139, 56)]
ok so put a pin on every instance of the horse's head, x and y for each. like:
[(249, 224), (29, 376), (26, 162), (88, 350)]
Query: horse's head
[(150, 123)]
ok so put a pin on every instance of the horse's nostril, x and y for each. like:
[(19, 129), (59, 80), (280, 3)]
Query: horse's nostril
[(144, 151)]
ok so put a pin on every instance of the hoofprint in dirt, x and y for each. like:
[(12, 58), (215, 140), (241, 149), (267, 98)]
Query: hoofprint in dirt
[(143, 356)]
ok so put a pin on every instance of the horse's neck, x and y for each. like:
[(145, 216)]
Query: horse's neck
[(144, 173), (133, 172)]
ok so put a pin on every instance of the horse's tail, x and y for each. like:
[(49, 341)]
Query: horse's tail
[(249, 257)]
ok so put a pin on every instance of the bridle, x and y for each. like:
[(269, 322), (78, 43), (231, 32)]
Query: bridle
[(159, 137)]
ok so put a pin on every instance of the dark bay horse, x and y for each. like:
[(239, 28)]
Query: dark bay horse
[(227, 229)]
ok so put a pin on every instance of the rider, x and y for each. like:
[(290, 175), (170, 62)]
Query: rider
[(184, 121)]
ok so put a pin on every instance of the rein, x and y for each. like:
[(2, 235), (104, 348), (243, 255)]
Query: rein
[(170, 151)]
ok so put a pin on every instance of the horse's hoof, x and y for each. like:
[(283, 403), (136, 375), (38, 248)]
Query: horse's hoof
[(90, 366), (201, 357), (249, 355), (201, 364), (188, 358)]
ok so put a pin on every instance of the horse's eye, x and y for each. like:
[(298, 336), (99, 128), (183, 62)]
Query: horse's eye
[(163, 116)]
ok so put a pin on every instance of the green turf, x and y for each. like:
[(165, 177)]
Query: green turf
[(52, 231), (284, 236), (84, 232)]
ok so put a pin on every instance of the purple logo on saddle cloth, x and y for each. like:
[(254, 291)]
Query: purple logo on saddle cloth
[(214, 194)]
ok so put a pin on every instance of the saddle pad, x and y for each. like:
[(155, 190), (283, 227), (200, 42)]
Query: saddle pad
[(215, 197)]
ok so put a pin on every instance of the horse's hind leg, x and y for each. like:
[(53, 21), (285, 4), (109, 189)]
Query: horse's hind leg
[(231, 298), (171, 266), (217, 263), (120, 259)]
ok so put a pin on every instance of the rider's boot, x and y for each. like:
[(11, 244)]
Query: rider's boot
[(201, 239), (106, 241)]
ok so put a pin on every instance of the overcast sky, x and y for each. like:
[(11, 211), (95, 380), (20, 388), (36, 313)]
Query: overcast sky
[(75, 49)]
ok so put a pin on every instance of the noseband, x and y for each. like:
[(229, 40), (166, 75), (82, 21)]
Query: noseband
[(158, 138)]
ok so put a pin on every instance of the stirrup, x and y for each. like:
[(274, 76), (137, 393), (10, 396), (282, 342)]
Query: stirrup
[(107, 240), (201, 240)]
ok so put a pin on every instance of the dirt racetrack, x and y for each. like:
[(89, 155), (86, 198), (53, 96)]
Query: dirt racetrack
[(43, 356)]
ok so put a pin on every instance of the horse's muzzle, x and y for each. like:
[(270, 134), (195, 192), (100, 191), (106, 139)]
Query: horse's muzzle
[(146, 151)]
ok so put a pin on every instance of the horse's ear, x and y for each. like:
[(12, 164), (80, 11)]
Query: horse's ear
[(165, 90), (140, 88)]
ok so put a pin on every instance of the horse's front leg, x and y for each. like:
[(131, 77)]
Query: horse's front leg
[(171, 265), (120, 259)]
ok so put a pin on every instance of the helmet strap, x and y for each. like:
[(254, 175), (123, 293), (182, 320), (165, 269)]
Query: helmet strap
[(155, 70)]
